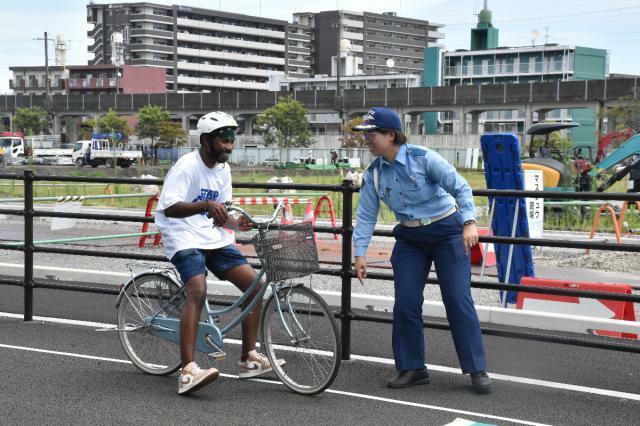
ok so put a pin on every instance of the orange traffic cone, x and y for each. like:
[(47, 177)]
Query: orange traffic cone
[(309, 216), (287, 217), (308, 213)]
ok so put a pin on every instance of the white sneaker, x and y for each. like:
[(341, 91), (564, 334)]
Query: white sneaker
[(256, 365), (192, 378)]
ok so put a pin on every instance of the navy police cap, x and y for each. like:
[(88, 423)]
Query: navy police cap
[(379, 118)]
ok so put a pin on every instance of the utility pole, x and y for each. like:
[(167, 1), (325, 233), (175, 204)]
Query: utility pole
[(46, 66), (338, 60), (47, 77), (338, 87)]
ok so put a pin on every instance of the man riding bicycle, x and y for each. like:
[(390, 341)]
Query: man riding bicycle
[(193, 193)]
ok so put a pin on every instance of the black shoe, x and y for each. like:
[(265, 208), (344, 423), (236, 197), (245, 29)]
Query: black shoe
[(406, 378), (481, 382)]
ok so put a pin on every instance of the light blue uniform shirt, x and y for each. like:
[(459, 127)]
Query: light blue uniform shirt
[(418, 184)]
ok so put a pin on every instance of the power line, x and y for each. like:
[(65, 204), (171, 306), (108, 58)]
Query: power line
[(501, 11), (565, 17)]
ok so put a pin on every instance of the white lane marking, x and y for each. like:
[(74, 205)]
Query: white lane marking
[(71, 354), (332, 391), (433, 407), (517, 379), (572, 318), (60, 321), (387, 361)]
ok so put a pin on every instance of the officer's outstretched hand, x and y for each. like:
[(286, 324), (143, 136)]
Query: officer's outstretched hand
[(360, 267), (469, 236)]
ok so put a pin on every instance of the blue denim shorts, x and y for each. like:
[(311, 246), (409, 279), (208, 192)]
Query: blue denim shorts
[(192, 262)]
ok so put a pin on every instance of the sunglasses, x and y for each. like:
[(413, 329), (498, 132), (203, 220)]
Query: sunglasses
[(370, 134)]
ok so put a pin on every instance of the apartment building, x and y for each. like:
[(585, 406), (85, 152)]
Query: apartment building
[(204, 50), (373, 38), (108, 78), (200, 49), (31, 80)]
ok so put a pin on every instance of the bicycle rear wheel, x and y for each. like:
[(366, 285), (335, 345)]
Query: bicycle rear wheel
[(146, 297), (303, 332)]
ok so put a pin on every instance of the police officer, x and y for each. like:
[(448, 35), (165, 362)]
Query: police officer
[(434, 205)]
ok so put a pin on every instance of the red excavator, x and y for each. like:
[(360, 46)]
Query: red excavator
[(583, 165)]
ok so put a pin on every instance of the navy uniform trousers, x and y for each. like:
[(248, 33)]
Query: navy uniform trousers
[(414, 252)]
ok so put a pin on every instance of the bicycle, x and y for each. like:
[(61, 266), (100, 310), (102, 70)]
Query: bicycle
[(296, 324)]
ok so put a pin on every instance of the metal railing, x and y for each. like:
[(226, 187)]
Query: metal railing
[(346, 314), (536, 67)]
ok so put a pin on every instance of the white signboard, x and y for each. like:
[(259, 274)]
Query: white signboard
[(533, 181), (58, 223), (472, 158)]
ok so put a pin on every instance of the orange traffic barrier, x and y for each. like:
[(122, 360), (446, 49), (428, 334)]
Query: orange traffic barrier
[(104, 192), (332, 213), (596, 219), (478, 251), (574, 305), (145, 226)]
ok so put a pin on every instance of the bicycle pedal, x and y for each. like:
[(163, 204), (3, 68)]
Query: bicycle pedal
[(218, 356)]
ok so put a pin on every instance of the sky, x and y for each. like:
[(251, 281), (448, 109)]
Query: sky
[(605, 24)]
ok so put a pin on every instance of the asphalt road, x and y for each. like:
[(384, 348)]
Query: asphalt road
[(68, 373), (59, 370)]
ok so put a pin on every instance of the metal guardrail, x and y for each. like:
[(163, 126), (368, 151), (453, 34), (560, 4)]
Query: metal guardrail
[(346, 314)]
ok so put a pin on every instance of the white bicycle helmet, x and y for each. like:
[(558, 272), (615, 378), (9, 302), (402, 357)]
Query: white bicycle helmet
[(215, 120)]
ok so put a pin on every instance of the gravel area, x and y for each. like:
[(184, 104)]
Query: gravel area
[(598, 260)]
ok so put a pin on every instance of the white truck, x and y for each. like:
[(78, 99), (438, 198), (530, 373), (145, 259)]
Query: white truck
[(12, 147), (99, 151), (18, 147)]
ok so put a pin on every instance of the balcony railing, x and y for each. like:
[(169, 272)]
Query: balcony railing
[(538, 67), (92, 83)]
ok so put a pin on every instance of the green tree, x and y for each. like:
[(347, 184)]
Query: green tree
[(85, 129), (149, 117), (112, 122), (32, 121), (626, 113), (171, 134), (285, 124), (349, 138)]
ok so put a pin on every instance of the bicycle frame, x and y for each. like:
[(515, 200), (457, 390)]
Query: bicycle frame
[(210, 337)]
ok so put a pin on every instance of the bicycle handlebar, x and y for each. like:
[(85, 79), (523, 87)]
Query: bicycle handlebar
[(279, 206)]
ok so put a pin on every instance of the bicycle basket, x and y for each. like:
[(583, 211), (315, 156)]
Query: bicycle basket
[(287, 252)]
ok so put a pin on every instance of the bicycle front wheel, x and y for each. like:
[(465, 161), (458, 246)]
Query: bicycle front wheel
[(147, 297), (301, 339)]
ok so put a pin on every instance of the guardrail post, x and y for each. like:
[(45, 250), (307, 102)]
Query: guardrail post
[(28, 245), (348, 189)]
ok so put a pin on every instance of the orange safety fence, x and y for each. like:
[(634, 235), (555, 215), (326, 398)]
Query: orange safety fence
[(616, 226), (332, 213), (104, 192), (145, 226)]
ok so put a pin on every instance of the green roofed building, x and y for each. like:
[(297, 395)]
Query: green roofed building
[(489, 63)]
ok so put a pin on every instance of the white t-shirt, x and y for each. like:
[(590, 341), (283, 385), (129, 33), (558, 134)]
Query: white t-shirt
[(191, 180)]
